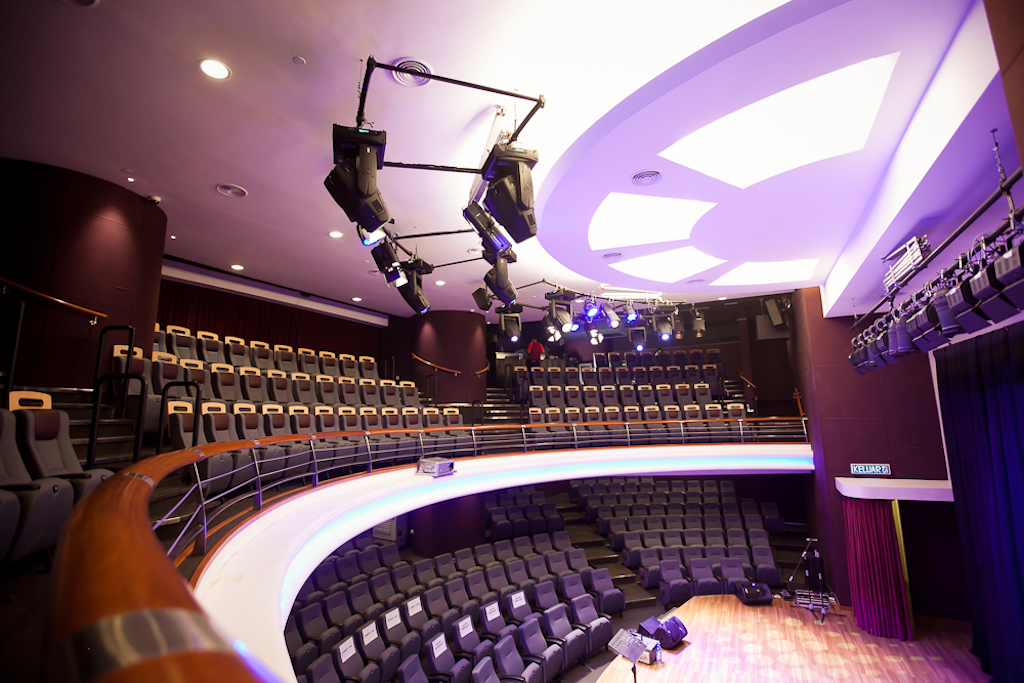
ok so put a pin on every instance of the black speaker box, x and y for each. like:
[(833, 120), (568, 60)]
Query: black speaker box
[(751, 593), (669, 632)]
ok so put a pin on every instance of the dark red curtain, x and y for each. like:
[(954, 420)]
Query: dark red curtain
[(198, 308), (876, 574)]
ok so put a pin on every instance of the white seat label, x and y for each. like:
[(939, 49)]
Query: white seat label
[(415, 607), (392, 618), (370, 633), (348, 648), (518, 599), (465, 626), (439, 646), (492, 610)]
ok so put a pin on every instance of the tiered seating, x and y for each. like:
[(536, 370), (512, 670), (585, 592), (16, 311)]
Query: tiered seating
[(232, 371), (520, 512), (709, 539), (365, 615)]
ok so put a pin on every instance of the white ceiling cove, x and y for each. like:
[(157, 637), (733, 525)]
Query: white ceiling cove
[(797, 142)]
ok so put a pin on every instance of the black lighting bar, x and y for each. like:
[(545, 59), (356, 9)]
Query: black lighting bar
[(372, 64)]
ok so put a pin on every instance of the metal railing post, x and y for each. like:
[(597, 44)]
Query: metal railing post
[(369, 452), (316, 469), (201, 541), (741, 430), (257, 501)]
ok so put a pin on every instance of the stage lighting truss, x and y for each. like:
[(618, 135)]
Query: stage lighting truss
[(984, 285)]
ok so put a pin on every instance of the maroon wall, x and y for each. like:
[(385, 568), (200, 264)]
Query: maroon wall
[(448, 526), (1006, 21), (88, 242), (455, 340), (224, 313), (888, 416)]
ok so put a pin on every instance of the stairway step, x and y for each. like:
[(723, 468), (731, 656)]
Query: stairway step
[(649, 601)]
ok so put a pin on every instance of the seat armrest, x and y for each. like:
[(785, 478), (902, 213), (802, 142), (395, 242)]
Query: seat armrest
[(21, 487), (606, 616), (465, 654), (533, 658), (555, 640), (582, 627), (74, 475), (375, 660), (442, 675), (493, 637), (520, 679)]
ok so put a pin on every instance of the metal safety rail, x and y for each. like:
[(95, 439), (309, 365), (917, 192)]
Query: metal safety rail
[(113, 562)]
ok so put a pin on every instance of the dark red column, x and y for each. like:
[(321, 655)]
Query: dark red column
[(1006, 21), (454, 340), (86, 241)]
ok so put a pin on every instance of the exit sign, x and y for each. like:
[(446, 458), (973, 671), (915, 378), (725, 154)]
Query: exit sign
[(870, 469)]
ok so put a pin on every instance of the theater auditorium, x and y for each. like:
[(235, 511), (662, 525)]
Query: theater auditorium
[(405, 342)]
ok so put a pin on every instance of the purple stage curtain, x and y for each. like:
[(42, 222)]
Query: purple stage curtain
[(876, 574)]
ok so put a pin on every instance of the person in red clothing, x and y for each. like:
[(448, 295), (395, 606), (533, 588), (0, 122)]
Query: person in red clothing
[(534, 351)]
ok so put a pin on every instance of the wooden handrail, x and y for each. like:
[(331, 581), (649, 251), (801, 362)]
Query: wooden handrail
[(104, 572), (51, 299), (434, 365)]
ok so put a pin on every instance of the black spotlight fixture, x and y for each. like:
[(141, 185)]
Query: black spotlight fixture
[(509, 195), (412, 292), (562, 318), (964, 307), (699, 324), (899, 342), (495, 244), (358, 154), (924, 329), (663, 327), (988, 290), (638, 338), (511, 325), (386, 258), (497, 281), (1010, 273), (482, 299)]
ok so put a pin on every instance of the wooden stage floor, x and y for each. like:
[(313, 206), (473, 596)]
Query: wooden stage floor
[(729, 641)]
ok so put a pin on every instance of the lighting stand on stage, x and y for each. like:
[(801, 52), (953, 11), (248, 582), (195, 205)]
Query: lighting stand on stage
[(817, 596)]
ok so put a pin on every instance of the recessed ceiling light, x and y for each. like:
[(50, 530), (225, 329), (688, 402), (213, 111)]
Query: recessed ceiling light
[(722, 298), (768, 273), (818, 119), (357, 298), (300, 61), (668, 266), (237, 266), (336, 234), (130, 179), (650, 220), (439, 283), (174, 237), (215, 69), (233, 191), (472, 310), (474, 250), (611, 255)]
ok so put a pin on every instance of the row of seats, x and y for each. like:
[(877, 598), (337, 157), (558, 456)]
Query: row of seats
[(337, 455), (663, 395), (631, 542), (602, 485), (607, 524), (756, 563), (208, 347), (631, 505), (585, 375), (41, 478), (521, 521), (662, 357)]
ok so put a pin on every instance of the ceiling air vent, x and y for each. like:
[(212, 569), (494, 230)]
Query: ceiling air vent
[(644, 178), (409, 79), (82, 3), (229, 190)]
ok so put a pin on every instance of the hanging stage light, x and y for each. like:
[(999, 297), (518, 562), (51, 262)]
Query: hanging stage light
[(386, 258), (964, 307), (638, 338), (497, 281), (663, 327), (631, 314), (511, 326), (495, 245), (510, 189), (698, 323), (611, 316), (373, 237), (574, 326), (358, 154), (412, 292), (482, 299), (899, 342), (988, 290), (1010, 272), (591, 309), (562, 318)]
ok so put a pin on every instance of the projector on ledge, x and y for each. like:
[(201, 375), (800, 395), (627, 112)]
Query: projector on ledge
[(436, 467)]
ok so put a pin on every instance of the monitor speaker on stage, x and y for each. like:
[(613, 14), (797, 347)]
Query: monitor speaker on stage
[(751, 593), (669, 632)]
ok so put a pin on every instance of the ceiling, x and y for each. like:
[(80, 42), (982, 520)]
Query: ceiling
[(796, 143)]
